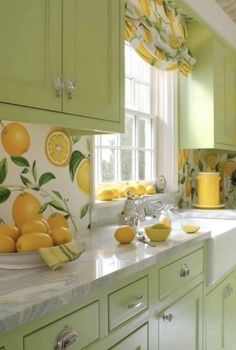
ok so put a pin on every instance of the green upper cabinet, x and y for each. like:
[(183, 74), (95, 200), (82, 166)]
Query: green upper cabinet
[(91, 58), (30, 60), (62, 62), (207, 98)]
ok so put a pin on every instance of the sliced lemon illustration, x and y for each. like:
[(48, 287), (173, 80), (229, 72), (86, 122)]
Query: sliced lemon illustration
[(58, 147), (190, 228)]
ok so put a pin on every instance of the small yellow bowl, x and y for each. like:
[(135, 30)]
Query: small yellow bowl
[(158, 232)]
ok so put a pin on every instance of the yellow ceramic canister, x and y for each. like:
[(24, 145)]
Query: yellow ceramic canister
[(208, 188)]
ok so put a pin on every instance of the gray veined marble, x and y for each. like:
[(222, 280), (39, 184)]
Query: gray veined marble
[(28, 294)]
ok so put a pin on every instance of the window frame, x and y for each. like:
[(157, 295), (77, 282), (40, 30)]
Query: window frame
[(164, 111)]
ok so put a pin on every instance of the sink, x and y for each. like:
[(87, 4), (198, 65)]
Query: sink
[(220, 248)]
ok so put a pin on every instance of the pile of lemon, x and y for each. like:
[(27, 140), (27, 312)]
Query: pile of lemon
[(108, 194), (34, 234)]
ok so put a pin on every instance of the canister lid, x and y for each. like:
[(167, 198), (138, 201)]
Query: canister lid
[(208, 173)]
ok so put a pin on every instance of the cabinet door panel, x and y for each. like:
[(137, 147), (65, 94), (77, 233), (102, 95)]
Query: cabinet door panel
[(30, 36), (180, 325), (136, 341), (91, 57), (220, 311), (225, 99)]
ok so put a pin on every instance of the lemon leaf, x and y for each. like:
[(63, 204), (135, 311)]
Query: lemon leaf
[(3, 170), (55, 204), (75, 160), (25, 181), (34, 171), (45, 178), (83, 210), (20, 161), (25, 171), (88, 145), (4, 194), (43, 207), (57, 194), (75, 139)]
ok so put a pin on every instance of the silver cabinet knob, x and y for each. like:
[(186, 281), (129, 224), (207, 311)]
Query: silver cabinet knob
[(66, 338), (71, 88), (137, 303), (59, 85), (168, 317), (184, 271)]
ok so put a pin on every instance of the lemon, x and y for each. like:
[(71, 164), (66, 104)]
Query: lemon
[(56, 220), (229, 167), (33, 241), (33, 226), (180, 160), (10, 231), (58, 147), (15, 139), (125, 191), (150, 189), (7, 244), (83, 176), (140, 189), (125, 234), (25, 207), (106, 195), (61, 235), (190, 228), (116, 193)]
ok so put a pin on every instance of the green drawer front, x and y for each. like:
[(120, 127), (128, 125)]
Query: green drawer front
[(84, 321), (135, 341), (170, 277), (127, 302)]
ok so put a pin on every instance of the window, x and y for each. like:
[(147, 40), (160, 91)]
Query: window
[(130, 156), (149, 146)]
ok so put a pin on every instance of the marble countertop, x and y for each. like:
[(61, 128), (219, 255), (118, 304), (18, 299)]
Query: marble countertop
[(28, 294)]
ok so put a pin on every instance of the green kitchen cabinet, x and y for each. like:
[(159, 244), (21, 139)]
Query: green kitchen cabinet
[(136, 341), (127, 314), (180, 324), (62, 62), (30, 57), (220, 315), (207, 98)]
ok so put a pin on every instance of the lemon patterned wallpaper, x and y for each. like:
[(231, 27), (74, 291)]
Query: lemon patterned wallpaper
[(190, 162), (43, 171)]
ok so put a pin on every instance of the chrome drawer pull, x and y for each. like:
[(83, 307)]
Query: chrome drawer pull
[(59, 85), (184, 272), (71, 87), (168, 317), (66, 338), (138, 303)]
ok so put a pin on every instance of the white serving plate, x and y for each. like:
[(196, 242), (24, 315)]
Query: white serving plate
[(19, 261)]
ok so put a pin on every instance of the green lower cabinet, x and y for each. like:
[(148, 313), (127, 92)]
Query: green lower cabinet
[(221, 320), (135, 341), (180, 324), (79, 329)]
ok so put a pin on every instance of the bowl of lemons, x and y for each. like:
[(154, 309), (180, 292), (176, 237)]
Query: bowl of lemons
[(158, 232)]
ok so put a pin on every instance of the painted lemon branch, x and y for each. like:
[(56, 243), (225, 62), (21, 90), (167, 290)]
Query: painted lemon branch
[(55, 198)]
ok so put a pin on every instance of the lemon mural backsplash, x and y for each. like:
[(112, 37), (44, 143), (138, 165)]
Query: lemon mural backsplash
[(44, 172), (190, 162)]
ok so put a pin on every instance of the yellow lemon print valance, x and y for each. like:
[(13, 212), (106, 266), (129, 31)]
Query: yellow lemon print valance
[(156, 29)]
